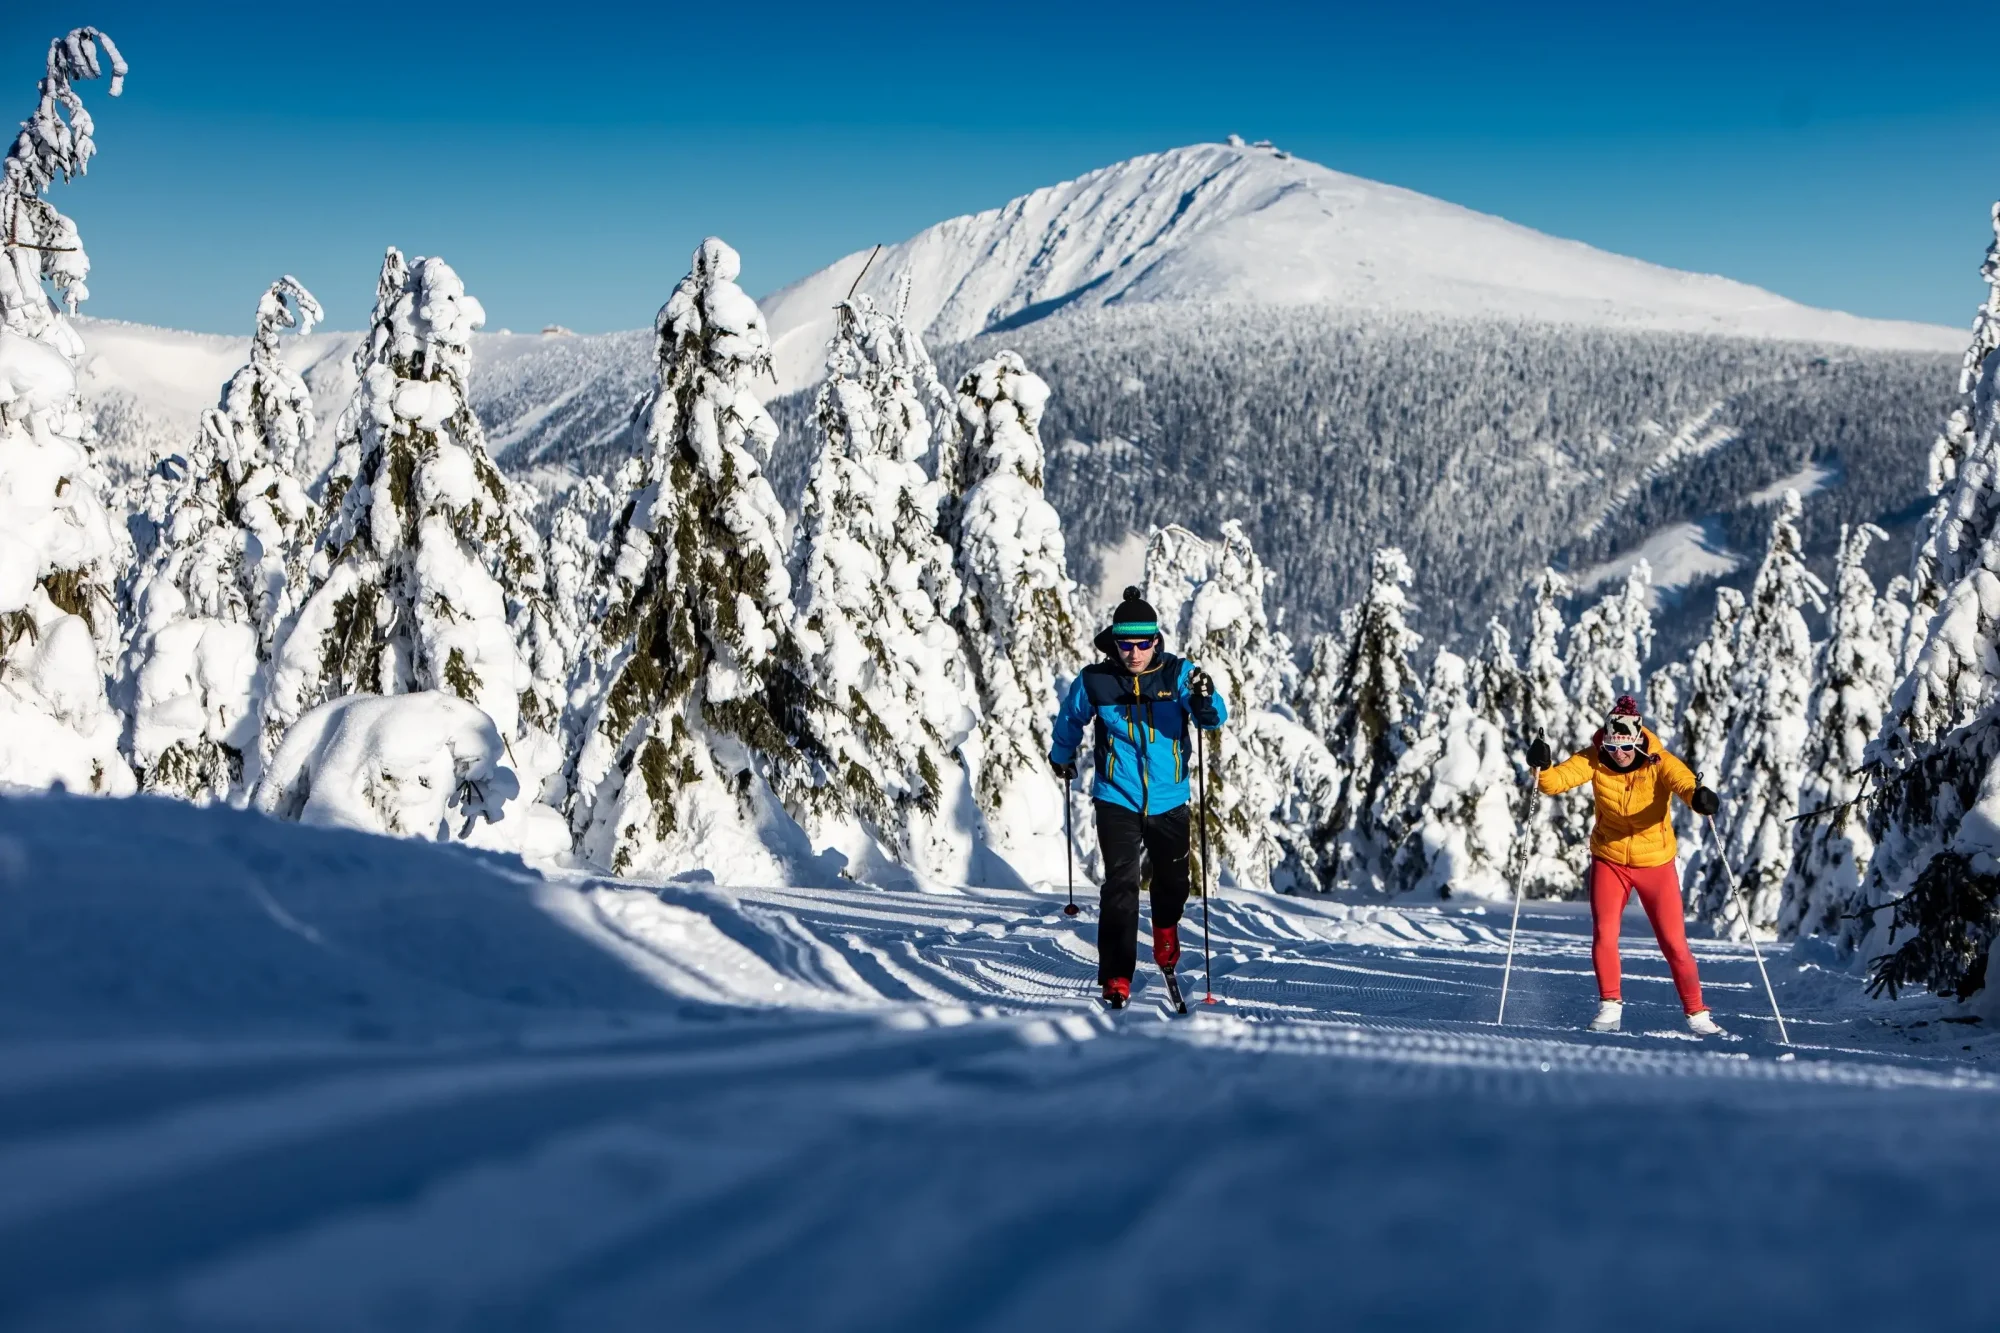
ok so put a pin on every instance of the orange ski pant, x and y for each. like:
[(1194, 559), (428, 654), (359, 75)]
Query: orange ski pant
[(1659, 890)]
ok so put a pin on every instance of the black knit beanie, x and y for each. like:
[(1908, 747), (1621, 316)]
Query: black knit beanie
[(1135, 616)]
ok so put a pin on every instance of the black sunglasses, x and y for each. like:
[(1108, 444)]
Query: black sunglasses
[(1134, 645)]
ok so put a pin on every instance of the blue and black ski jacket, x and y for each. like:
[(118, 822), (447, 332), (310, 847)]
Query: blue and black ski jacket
[(1140, 735)]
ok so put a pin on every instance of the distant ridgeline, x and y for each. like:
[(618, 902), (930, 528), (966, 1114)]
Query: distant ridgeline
[(1485, 450)]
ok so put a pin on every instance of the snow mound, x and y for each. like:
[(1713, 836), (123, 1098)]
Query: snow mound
[(1249, 225), (404, 764)]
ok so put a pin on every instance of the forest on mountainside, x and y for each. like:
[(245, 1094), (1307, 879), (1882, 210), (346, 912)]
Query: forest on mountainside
[(1484, 450)]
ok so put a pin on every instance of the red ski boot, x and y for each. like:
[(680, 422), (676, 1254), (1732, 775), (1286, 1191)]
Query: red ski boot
[(1117, 991), (1167, 947)]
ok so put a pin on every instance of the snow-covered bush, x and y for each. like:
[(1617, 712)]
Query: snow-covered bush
[(1449, 800), (59, 552), (696, 655), (1016, 618), (877, 586), (425, 764), (1360, 698), (1761, 764), (1851, 682), (205, 600)]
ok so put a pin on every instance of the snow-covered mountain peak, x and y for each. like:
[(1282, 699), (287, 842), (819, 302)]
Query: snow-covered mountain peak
[(1249, 224)]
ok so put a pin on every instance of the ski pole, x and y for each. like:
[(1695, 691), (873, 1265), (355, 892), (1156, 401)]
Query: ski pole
[(1748, 928), (1507, 974), (1207, 969), (1069, 853)]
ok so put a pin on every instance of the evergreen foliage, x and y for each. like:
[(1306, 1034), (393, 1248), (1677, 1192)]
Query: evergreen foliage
[(700, 694), (1365, 696), (877, 586), (1853, 674), (1762, 762), (1016, 618), (424, 567), (230, 529)]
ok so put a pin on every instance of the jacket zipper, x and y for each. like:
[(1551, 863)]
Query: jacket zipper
[(1145, 788)]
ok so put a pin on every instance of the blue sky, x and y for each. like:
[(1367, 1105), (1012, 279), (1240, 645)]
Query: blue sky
[(567, 158)]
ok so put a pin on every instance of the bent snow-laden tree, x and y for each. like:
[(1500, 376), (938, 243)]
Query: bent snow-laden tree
[(206, 599), (1934, 882), (703, 710), (1272, 781), (59, 553), (1016, 617), (877, 586), (1851, 683), (424, 568), (1761, 765)]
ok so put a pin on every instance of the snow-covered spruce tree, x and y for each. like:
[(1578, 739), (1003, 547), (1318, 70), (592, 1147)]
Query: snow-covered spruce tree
[(1271, 780), (1552, 859), (1367, 712), (1608, 651), (1016, 618), (59, 552), (1851, 682), (876, 587), (1608, 647), (424, 575), (925, 401), (1451, 795), (1933, 885), (1762, 765), (702, 714), (576, 559), (207, 597)]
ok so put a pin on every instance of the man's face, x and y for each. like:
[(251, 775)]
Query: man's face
[(1136, 654)]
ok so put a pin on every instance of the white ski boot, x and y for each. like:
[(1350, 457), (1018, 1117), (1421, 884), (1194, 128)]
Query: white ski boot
[(1610, 1016), (1702, 1024)]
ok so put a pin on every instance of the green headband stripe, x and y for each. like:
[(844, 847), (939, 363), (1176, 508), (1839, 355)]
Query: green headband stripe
[(1136, 627)]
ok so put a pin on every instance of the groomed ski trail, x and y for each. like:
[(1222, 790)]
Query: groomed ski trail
[(258, 1077)]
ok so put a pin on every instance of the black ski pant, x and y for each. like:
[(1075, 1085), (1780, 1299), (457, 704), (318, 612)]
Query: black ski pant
[(1129, 839)]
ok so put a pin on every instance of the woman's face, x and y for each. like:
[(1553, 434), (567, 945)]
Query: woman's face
[(1622, 754)]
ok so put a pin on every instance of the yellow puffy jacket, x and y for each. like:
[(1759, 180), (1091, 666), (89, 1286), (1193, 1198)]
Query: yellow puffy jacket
[(1633, 824)]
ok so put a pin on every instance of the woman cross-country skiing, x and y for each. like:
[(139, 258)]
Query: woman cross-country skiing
[(1139, 702), (1632, 850)]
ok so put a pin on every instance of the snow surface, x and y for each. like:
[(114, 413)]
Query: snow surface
[(257, 1075), (1249, 225)]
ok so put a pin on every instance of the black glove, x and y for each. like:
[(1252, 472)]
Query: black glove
[(1538, 754), (1201, 685), (1705, 801), (1067, 772)]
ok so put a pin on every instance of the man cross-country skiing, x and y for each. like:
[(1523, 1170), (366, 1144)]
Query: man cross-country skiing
[(1632, 851), (1139, 702)]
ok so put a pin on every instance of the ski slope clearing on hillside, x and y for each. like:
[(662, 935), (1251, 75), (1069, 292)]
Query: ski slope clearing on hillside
[(1248, 225), (266, 1076)]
